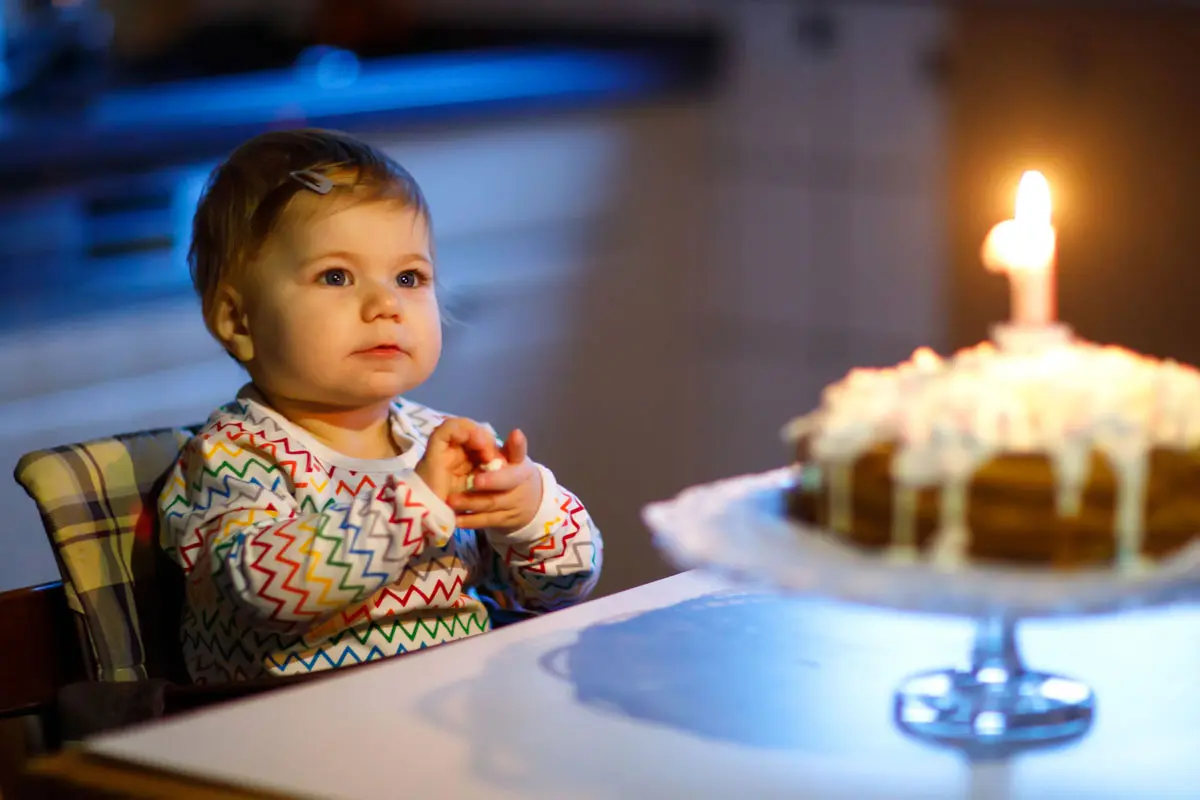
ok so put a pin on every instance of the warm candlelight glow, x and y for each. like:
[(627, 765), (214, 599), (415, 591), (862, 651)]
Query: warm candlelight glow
[(1024, 248), (923, 358), (1033, 199)]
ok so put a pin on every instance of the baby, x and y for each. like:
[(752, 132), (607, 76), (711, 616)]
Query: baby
[(321, 519)]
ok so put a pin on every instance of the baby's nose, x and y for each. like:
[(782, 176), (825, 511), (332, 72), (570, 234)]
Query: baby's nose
[(382, 301)]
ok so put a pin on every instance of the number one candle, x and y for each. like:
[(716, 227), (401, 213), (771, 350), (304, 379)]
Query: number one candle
[(1024, 248)]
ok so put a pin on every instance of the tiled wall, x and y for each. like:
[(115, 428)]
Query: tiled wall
[(828, 177)]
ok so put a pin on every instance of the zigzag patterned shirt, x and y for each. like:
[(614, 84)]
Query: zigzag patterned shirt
[(298, 558)]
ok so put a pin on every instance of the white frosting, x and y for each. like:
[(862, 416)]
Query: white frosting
[(947, 417), (495, 464)]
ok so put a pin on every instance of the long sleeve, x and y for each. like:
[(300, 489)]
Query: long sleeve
[(233, 523), (552, 562)]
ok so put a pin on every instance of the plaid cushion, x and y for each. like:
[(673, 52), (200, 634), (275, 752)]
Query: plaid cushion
[(99, 505)]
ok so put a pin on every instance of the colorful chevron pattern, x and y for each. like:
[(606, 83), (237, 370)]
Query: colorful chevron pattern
[(297, 563)]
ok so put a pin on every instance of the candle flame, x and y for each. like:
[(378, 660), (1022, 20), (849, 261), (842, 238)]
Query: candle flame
[(1033, 199), (1025, 243), (1024, 248)]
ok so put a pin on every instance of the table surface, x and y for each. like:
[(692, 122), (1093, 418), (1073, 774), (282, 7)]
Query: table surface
[(692, 687)]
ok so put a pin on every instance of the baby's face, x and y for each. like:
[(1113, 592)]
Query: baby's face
[(341, 308)]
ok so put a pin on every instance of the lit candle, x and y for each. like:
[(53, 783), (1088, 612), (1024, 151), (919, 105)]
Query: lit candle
[(1024, 248)]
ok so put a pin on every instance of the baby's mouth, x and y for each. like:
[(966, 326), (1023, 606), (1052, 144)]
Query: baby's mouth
[(383, 350)]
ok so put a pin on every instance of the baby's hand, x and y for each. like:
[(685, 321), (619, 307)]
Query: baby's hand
[(453, 451), (506, 499)]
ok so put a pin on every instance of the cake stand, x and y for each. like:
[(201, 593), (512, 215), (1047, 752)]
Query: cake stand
[(738, 527)]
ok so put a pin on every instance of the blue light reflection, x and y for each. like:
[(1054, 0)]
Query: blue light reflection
[(326, 83)]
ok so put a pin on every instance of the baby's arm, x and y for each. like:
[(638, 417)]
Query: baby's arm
[(244, 541), (552, 562)]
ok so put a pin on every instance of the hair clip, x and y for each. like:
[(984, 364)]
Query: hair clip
[(313, 181)]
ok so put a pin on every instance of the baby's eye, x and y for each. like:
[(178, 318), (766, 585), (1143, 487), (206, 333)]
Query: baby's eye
[(335, 277), (410, 279)]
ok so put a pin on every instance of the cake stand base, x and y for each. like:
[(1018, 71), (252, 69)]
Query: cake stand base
[(997, 703)]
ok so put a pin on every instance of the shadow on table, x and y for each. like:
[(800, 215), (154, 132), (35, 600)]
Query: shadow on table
[(724, 667), (795, 694), (755, 695)]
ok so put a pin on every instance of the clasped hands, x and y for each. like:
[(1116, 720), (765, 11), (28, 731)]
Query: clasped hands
[(505, 496)]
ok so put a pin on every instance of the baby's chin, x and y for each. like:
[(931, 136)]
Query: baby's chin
[(370, 389), (340, 385), (345, 396)]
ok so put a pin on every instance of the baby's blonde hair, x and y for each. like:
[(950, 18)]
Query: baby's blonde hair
[(246, 197)]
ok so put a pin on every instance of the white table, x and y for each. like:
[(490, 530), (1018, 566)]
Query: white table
[(690, 688)]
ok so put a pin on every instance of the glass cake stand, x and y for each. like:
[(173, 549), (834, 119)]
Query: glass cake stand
[(738, 527)]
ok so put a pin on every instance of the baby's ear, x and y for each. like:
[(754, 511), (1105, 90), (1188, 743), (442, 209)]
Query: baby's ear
[(230, 325)]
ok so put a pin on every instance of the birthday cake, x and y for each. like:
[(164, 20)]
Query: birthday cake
[(1055, 452)]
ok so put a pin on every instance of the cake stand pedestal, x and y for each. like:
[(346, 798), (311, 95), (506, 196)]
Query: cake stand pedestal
[(992, 708), (996, 701)]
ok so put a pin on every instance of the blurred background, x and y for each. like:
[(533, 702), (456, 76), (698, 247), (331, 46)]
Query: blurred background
[(663, 224)]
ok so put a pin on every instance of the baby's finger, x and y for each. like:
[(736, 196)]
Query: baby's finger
[(504, 479), (467, 434), (483, 445), (455, 430), (477, 502), (517, 447)]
